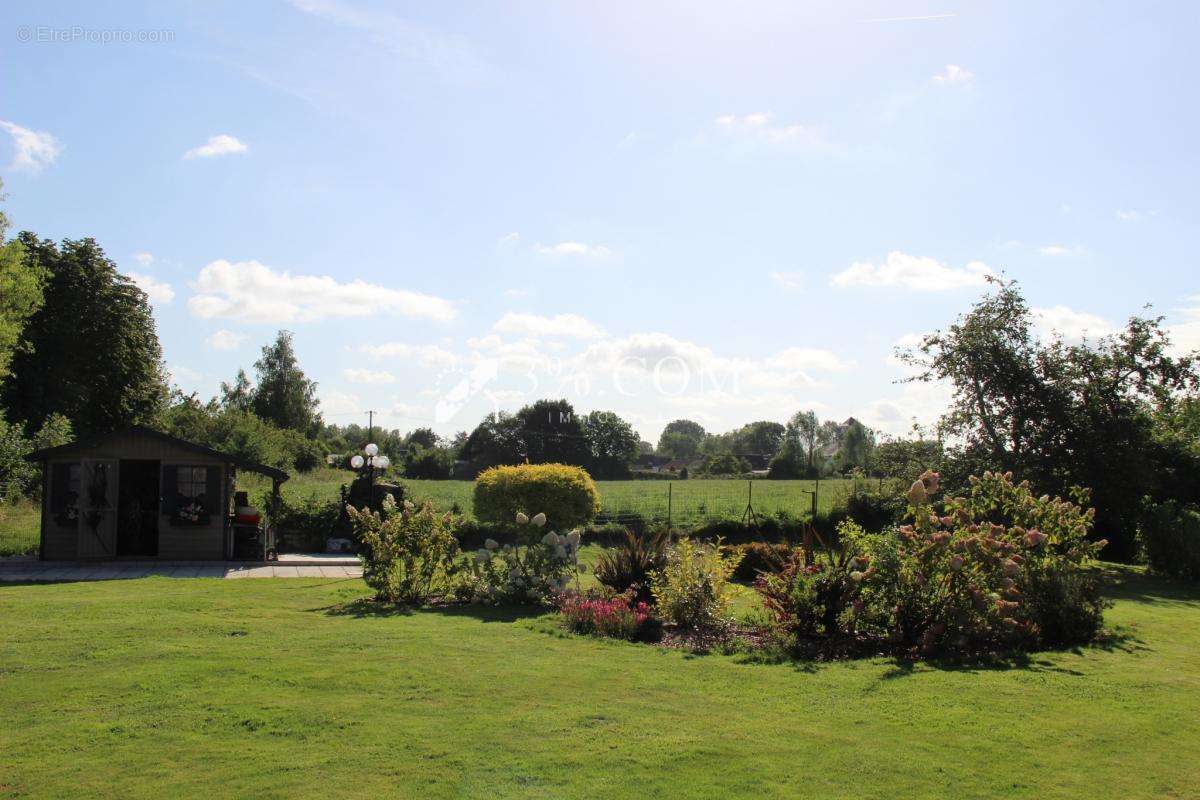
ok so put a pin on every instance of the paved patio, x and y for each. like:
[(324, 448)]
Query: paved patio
[(108, 571)]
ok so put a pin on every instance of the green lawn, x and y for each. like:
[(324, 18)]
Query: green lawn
[(692, 501), (283, 688)]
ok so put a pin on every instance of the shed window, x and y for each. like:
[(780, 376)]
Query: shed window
[(64, 493), (193, 493)]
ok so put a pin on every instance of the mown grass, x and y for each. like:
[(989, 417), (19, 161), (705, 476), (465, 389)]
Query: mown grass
[(691, 501), (286, 688)]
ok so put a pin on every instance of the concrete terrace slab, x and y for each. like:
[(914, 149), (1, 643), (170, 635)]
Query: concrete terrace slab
[(106, 571)]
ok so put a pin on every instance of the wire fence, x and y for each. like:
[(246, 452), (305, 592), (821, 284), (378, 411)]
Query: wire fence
[(686, 502)]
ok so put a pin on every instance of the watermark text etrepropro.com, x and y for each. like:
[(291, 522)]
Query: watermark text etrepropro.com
[(78, 33)]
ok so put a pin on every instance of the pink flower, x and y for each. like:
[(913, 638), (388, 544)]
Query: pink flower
[(956, 563), (1034, 537)]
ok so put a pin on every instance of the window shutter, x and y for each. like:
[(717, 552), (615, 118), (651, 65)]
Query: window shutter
[(60, 481), (212, 491), (170, 489)]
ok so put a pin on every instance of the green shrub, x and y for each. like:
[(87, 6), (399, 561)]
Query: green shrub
[(1169, 535), (409, 554), (534, 567), (758, 557), (566, 495), (429, 463), (629, 565), (999, 569), (305, 525), (875, 509), (690, 590)]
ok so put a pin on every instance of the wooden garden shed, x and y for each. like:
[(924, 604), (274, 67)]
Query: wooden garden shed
[(140, 493)]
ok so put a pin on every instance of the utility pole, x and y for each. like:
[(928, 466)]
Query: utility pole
[(370, 425)]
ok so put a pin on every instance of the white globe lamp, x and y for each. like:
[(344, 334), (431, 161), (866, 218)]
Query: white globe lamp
[(356, 462), (371, 449)]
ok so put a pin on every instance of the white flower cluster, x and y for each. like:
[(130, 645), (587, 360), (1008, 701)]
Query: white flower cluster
[(533, 569)]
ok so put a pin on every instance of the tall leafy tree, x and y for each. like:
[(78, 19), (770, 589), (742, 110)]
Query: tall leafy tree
[(20, 291), (238, 395), (284, 395), (762, 437), (1066, 415), (858, 442), (90, 352), (681, 439), (552, 434), (613, 445), (806, 429)]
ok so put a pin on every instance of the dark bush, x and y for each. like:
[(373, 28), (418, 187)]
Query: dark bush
[(759, 557), (304, 526), (875, 510), (1169, 535), (628, 565)]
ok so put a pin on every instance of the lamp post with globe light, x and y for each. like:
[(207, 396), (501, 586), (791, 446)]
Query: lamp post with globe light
[(372, 459)]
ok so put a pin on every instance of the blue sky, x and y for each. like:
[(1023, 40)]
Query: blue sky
[(725, 212)]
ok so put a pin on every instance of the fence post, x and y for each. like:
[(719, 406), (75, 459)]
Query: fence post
[(670, 485), (816, 492)]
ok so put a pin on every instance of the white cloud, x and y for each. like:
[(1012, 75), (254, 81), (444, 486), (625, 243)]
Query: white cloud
[(1054, 250), (339, 404), (516, 293), (220, 145), (573, 249), (628, 140), (254, 292), (1133, 215), (916, 273), (954, 75), (32, 150), (1185, 336), (156, 290), (426, 355), (759, 127), (184, 376), (144, 258), (226, 340), (800, 358), (789, 280), (570, 325), (368, 376), (1072, 325), (509, 239)]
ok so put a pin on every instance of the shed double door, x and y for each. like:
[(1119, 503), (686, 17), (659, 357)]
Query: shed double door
[(98, 508)]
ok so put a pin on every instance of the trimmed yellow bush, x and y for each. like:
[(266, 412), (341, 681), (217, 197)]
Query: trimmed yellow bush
[(566, 495)]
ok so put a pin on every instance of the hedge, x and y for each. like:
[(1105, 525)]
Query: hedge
[(566, 495)]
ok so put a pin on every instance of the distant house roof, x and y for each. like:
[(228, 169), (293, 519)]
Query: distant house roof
[(141, 430), (651, 460), (676, 464)]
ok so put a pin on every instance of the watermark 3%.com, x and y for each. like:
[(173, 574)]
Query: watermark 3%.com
[(50, 34)]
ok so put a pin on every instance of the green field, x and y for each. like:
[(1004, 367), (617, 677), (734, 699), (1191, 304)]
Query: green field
[(691, 501), (282, 688)]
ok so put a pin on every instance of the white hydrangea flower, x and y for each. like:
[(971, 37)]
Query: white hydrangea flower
[(550, 539), (521, 518), (573, 538), (483, 556), (491, 544), (560, 551), (539, 520)]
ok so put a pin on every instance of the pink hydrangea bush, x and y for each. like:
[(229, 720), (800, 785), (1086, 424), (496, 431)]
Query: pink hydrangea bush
[(996, 569)]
